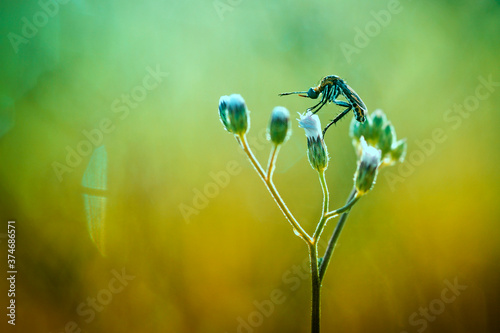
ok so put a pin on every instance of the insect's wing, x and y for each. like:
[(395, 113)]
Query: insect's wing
[(351, 95)]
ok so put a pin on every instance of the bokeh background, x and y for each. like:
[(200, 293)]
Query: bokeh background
[(210, 264)]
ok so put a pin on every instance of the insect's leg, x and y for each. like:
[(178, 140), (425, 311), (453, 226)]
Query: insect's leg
[(324, 131), (324, 100), (342, 114), (341, 103), (322, 104), (334, 99), (331, 93)]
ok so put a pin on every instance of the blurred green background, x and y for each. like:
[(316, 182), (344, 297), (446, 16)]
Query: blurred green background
[(211, 265)]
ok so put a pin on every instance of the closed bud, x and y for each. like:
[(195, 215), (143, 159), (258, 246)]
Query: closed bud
[(317, 152), (355, 129), (378, 121), (279, 127), (367, 170), (237, 114), (398, 151), (387, 137), (223, 112)]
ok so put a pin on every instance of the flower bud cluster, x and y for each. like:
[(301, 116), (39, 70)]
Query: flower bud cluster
[(379, 133)]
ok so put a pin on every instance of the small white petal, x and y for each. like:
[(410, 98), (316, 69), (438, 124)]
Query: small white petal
[(311, 124), (369, 154)]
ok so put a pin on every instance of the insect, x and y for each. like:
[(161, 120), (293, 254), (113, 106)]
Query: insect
[(331, 87)]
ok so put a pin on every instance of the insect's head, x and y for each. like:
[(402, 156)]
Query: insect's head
[(311, 93)]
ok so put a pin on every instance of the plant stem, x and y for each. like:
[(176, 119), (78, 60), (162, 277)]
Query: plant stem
[(326, 200), (272, 189), (267, 178), (348, 205), (316, 289), (272, 162), (335, 237)]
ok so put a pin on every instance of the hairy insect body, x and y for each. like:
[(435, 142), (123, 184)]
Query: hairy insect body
[(330, 87)]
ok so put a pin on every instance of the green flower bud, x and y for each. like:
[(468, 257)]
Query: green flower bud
[(358, 130), (367, 170), (355, 129), (223, 112), (378, 121), (317, 152), (386, 139), (279, 126), (237, 114), (398, 151)]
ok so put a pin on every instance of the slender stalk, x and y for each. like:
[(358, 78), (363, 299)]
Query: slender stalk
[(348, 205), (244, 144), (272, 162), (326, 200), (316, 290), (334, 238), (272, 189), (267, 178)]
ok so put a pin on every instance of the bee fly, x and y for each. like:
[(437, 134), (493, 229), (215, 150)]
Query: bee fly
[(331, 87)]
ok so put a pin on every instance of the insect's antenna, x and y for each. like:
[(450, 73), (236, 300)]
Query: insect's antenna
[(293, 93)]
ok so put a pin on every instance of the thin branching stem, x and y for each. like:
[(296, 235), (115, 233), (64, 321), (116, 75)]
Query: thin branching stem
[(348, 205), (313, 254), (316, 289), (272, 162), (335, 237), (326, 200), (272, 189)]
